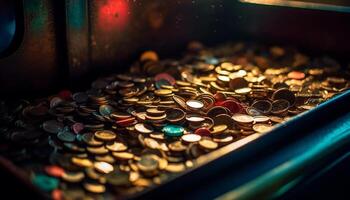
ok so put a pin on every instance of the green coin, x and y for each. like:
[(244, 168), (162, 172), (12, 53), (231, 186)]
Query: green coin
[(173, 130), (45, 183), (105, 110)]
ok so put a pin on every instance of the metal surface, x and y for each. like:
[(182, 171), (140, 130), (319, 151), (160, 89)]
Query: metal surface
[(34, 65), (79, 40)]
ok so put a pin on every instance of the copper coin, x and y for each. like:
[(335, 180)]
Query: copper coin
[(280, 106), (175, 115), (216, 110), (237, 83), (263, 106), (54, 170), (285, 94), (154, 112), (207, 123), (224, 119), (180, 101), (231, 105), (202, 132), (296, 75)]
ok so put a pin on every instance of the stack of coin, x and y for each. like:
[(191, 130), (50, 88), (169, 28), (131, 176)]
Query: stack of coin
[(244, 122), (155, 115)]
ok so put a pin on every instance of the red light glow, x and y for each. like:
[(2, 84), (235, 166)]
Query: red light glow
[(113, 14)]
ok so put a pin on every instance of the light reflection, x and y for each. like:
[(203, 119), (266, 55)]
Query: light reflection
[(113, 14), (299, 4)]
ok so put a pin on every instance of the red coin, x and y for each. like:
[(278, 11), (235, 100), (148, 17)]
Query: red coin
[(296, 75), (56, 194), (165, 76), (202, 132), (126, 122), (65, 94), (219, 96), (233, 99), (233, 106), (54, 170)]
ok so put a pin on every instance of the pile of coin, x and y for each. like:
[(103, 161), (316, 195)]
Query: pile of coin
[(131, 131)]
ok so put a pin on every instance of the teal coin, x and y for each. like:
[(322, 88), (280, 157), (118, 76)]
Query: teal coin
[(173, 130), (45, 183)]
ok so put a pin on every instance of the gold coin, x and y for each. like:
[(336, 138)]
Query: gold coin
[(116, 146), (151, 143), (156, 118), (105, 135), (142, 182), (177, 146), (94, 188), (154, 112), (163, 163), (143, 128), (183, 83), (175, 167), (261, 118), (194, 104), (149, 55), (242, 118), (73, 177), (163, 92), (97, 150), (81, 162), (208, 144), (245, 90), (105, 158), (194, 118), (148, 163), (191, 138), (262, 128), (123, 155), (216, 129), (103, 167)]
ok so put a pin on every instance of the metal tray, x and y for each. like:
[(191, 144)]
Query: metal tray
[(71, 43)]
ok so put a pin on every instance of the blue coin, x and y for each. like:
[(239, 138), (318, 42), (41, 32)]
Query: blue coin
[(45, 183), (173, 130)]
